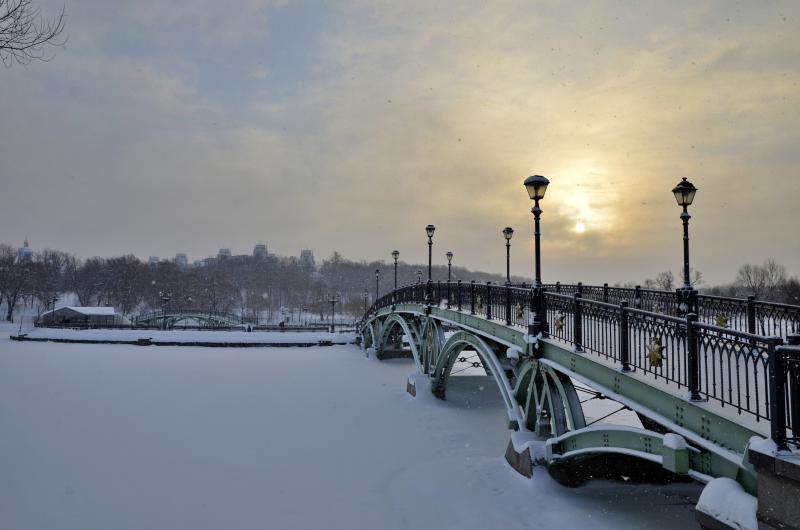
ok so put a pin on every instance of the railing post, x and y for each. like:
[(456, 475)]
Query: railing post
[(580, 288), (624, 354), (488, 300), (793, 388), (751, 315), (508, 304), (472, 297), (448, 294), (558, 287), (777, 392), (605, 293), (577, 322), (458, 287), (693, 358), (637, 297), (438, 292)]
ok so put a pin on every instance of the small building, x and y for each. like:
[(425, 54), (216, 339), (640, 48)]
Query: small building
[(81, 316)]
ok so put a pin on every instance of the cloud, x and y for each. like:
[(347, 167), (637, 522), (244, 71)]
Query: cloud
[(350, 126)]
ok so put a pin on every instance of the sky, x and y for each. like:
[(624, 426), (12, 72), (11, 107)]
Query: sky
[(191, 125)]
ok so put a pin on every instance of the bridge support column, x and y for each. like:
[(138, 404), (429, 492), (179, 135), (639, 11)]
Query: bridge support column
[(778, 489)]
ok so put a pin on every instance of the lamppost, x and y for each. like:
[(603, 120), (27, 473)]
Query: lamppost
[(165, 298), (449, 257), (507, 233), (430, 229), (684, 194), (332, 300), (365, 297), (377, 283), (395, 255), (536, 186)]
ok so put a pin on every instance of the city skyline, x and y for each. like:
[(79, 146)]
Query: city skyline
[(191, 126)]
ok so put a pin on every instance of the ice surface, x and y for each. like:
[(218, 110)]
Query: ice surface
[(124, 437)]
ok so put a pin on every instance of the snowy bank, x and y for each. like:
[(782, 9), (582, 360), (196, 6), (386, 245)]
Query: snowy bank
[(188, 337)]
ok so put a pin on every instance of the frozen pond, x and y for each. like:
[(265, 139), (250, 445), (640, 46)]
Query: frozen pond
[(126, 437)]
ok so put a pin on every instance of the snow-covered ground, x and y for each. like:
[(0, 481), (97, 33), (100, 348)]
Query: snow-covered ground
[(125, 437), (208, 336)]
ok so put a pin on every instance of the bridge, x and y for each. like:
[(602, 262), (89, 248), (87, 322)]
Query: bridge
[(169, 318), (708, 376)]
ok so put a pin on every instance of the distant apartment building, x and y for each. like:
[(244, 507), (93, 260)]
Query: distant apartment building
[(260, 251), (224, 253), (307, 258), (181, 260), (153, 261), (25, 254)]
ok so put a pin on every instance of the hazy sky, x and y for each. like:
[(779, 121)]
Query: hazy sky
[(190, 125)]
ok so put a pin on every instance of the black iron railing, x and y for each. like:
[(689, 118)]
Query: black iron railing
[(640, 330), (753, 316)]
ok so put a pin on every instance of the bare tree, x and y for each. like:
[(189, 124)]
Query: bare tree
[(762, 281), (24, 32)]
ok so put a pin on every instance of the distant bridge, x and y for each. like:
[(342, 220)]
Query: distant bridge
[(703, 384), (169, 318)]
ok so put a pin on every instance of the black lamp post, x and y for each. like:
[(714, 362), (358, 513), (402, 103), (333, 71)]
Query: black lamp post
[(395, 255), (507, 233), (365, 297), (684, 194), (165, 298), (449, 257), (377, 282), (332, 300), (536, 186), (430, 229)]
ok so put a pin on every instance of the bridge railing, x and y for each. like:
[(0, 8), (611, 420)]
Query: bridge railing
[(752, 373), (753, 316)]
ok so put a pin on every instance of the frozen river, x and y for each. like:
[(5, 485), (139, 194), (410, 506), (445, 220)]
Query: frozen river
[(126, 437)]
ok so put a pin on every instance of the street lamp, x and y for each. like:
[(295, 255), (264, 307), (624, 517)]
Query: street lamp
[(430, 229), (684, 194), (536, 186), (507, 233), (449, 257), (377, 282), (332, 300), (365, 297), (395, 255)]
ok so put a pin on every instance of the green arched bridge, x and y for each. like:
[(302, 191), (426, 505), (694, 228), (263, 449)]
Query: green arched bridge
[(706, 384)]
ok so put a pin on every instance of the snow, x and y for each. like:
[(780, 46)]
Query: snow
[(674, 441), (88, 311), (725, 500), (191, 336), (125, 437)]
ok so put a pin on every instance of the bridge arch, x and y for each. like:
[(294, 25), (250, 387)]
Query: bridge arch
[(391, 322), (431, 343), (549, 400), (450, 351)]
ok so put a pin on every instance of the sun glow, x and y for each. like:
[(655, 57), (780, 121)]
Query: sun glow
[(580, 227)]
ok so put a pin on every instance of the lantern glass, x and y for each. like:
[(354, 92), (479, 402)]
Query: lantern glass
[(430, 229), (449, 256), (508, 232), (396, 254), (536, 186), (684, 192)]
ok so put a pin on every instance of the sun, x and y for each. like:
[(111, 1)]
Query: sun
[(580, 227)]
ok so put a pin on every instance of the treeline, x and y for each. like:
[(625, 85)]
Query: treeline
[(254, 287), (259, 287), (768, 281)]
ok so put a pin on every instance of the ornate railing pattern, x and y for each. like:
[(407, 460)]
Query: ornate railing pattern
[(641, 331), (756, 317)]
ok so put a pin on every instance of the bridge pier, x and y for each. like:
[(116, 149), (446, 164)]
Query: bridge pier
[(778, 487)]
